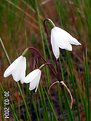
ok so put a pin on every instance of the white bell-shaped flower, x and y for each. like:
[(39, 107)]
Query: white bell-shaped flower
[(61, 39), (33, 78), (17, 69)]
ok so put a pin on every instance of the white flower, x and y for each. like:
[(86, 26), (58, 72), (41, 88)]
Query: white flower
[(17, 69), (33, 78), (61, 39)]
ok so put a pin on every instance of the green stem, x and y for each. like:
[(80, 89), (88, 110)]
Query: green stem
[(17, 82), (2, 44)]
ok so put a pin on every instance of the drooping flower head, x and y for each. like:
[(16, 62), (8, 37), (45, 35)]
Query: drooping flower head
[(17, 69), (33, 78), (61, 39)]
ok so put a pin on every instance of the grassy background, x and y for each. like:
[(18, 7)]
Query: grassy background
[(21, 25)]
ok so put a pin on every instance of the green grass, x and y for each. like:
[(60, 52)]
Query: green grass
[(18, 31)]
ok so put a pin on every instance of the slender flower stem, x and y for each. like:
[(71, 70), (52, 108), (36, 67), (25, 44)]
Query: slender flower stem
[(61, 82), (51, 67), (57, 82), (3, 47), (44, 65), (25, 51), (46, 30), (50, 21), (57, 63), (45, 61), (32, 48), (68, 92)]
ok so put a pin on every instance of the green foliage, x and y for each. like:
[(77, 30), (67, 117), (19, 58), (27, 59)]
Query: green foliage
[(13, 21)]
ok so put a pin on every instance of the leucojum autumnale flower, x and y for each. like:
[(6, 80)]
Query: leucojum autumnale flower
[(17, 69), (59, 39), (33, 78)]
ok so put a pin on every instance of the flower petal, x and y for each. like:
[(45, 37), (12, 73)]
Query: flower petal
[(55, 48), (73, 41), (37, 87), (23, 70), (19, 72), (35, 82), (31, 76), (12, 66), (16, 74), (60, 39), (68, 37), (69, 47)]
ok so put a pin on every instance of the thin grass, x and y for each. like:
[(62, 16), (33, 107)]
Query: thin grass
[(81, 13)]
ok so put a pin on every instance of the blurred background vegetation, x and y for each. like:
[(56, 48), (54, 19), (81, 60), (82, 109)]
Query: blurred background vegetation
[(21, 26)]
